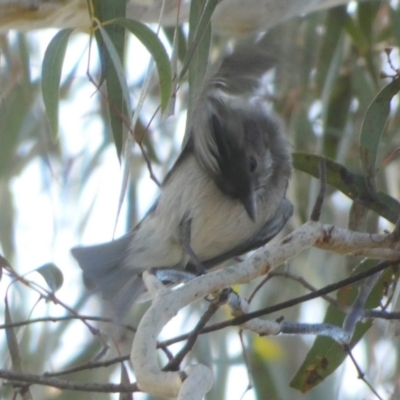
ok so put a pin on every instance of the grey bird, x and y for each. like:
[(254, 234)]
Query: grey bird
[(224, 196)]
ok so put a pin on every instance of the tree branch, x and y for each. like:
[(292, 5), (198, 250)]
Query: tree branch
[(167, 303), (66, 385)]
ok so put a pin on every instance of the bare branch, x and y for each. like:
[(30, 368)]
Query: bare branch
[(357, 308), (67, 318), (361, 374), (173, 364), (306, 284), (316, 212), (167, 303), (66, 385)]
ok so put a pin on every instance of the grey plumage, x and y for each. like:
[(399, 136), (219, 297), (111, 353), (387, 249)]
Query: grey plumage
[(229, 182)]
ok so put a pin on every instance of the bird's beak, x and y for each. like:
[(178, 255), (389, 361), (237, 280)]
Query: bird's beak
[(249, 203)]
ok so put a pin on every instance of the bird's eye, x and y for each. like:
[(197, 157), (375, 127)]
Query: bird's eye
[(252, 164)]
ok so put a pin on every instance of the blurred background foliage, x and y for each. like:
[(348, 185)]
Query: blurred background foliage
[(328, 72)]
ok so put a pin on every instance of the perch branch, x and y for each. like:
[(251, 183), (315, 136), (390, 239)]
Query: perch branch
[(167, 303)]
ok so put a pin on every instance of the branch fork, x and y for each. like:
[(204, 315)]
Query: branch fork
[(167, 302)]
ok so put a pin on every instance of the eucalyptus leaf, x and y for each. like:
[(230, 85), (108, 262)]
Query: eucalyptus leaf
[(155, 47), (326, 355), (51, 75), (351, 184), (371, 131), (106, 12), (52, 275)]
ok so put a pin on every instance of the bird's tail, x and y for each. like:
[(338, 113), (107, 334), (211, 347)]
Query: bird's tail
[(104, 271)]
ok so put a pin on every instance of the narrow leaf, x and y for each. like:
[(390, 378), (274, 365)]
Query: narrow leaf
[(198, 52), (349, 183), (326, 355), (51, 75), (106, 11), (371, 131), (331, 40), (117, 63), (14, 349), (200, 29), (12, 340), (154, 46)]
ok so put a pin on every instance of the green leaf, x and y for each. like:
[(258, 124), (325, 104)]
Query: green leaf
[(153, 44), (12, 340), (329, 45), (52, 275), (326, 355), (337, 114), (366, 15), (349, 183), (14, 349), (199, 34), (196, 59), (118, 67), (356, 35), (3, 264), (395, 23), (371, 131), (51, 75), (170, 33), (106, 11), (7, 219)]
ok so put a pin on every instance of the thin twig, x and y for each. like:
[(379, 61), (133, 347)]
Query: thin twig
[(143, 150), (50, 296), (327, 289), (89, 365), (316, 212), (289, 303), (381, 314), (306, 284), (173, 364), (361, 374), (31, 379), (67, 318), (204, 330), (250, 385), (258, 287)]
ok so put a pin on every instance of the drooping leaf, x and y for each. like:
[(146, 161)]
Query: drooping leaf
[(14, 349), (52, 275), (371, 131), (349, 183), (326, 355), (155, 47), (118, 68), (51, 75), (331, 40), (107, 11), (181, 39), (12, 341), (199, 35), (196, 60)]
